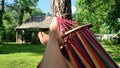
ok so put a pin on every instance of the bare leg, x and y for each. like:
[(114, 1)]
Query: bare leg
[(44, 40), (53, 57)]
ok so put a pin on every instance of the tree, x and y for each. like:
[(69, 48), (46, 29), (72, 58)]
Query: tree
[(61, 8), (22, 6), (113, 17), (98, 12), (1, 19), (1, 12), (11, 17)]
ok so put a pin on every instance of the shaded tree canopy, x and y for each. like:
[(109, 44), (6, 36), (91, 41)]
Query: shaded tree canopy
[(1, 12), (99, 12)]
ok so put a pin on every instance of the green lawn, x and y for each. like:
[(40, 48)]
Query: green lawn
[(29, 55), (20, 56)]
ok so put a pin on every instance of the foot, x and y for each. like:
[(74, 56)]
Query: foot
[(53, 33), (43, 38)]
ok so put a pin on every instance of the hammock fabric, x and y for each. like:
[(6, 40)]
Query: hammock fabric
[(82, 47)]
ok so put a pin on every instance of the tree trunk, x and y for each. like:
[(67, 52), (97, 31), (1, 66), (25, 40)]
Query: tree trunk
[(21, 14), (61, 8), (1, 12)]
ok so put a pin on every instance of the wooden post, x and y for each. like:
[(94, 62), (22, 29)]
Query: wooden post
[(16, 36)]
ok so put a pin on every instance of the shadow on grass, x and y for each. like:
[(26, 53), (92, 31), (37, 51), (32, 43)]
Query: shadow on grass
[(15, 48)]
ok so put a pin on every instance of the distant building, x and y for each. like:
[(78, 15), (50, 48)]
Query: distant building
[(33, 23)]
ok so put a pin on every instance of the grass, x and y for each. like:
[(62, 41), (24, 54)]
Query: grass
[(20, 56), (114, 52), (29, 55)]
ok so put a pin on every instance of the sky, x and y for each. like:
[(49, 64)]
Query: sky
[(44, 5)]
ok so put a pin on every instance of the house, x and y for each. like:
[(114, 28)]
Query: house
[(30, 25)]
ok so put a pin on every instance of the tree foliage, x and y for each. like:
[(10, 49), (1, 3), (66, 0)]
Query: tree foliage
[(15, 14), (99, 13), (22, 6), (114, 16), (1, 12)]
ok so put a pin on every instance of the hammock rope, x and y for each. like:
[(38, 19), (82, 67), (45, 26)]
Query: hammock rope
[(64, 24)]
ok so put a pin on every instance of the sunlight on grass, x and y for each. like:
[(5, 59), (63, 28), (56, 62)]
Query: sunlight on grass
[(20, 60), (20, 56), (29, 55)]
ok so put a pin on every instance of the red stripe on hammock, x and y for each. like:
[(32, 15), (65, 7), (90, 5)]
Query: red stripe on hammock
[(68, 45), (82, 52), (89, 47), (67, 24), (94, 42), (99, 47), (71, 41), (98, 51)]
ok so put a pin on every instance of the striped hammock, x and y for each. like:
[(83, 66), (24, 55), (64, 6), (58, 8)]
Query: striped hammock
[(82, 48)]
